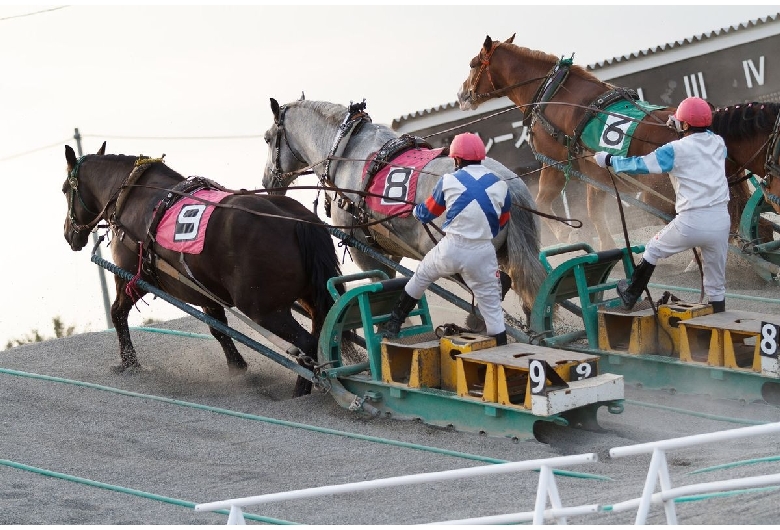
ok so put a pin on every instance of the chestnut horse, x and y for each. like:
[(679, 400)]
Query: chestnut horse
[(260, 254), (558, 99)]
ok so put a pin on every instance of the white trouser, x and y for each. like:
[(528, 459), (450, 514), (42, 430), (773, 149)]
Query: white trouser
[(475, 260), (704, 228)]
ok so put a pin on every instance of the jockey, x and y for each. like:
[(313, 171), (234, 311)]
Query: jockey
[(477, 204), (696, 166)]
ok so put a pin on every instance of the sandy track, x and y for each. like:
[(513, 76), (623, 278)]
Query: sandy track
[(187, 454)]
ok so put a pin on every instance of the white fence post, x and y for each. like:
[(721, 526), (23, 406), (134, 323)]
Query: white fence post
[(236, 516), (547, 488), (659, 471)]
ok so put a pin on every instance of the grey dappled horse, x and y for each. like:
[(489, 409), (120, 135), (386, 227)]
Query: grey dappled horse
[(303, 135)]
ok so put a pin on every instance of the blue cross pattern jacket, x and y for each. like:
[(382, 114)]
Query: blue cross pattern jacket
[(477, 203)]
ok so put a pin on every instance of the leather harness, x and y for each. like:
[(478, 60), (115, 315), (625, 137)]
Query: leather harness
[(547, 91)]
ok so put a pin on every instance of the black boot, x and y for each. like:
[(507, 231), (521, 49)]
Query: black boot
[(392, 327), (631, 291), (500, 338), (718, 307)]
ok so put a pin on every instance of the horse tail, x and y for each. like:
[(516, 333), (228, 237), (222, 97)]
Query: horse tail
[(320, 264), (520, 254)]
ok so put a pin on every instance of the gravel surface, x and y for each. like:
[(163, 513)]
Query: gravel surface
[(152, 459)]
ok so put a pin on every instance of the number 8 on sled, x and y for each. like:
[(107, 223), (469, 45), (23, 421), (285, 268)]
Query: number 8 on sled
[(769, 333)]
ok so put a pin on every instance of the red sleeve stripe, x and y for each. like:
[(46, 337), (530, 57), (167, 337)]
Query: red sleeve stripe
[(434, 207)]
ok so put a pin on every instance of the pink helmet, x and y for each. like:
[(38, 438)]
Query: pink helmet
[(467, 146), (695, 112)]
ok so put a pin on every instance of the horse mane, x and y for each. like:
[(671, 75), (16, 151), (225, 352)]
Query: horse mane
[(333, 112), (334, 115), (537, 55), (741, 121), (130, 160)]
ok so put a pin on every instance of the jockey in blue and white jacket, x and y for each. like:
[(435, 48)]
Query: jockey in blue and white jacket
[(477, 205)]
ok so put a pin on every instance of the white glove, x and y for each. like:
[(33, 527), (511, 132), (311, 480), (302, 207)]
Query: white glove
[(602, 158)]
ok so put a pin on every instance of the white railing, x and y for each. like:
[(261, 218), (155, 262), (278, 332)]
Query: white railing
[(659, 472), (547, 488)]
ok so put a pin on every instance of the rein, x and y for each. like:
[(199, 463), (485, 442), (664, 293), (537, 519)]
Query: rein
[(276, 216)]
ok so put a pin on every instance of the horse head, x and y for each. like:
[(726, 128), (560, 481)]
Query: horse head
[(480, 81), (84, 210), (283, 162)]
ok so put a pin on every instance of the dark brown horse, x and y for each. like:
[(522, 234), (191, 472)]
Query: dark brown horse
[(751, 132), (260, 254), (558, 99)]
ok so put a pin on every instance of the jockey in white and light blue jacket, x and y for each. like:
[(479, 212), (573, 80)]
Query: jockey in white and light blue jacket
[(694, 164), (696, 167)]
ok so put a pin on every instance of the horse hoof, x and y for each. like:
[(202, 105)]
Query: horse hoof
[(132, 368), (302, 388), (235, 370)]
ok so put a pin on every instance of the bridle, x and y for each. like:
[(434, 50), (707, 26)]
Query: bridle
[(484, 66), (73, 181), (280, 178), (351, 123)]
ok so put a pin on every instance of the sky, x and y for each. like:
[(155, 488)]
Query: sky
[(193, 82)]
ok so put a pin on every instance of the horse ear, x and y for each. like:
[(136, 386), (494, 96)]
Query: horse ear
[(70, 157), (488, 43), (511, 39), (102, 149), (303, 96), (275, 109)]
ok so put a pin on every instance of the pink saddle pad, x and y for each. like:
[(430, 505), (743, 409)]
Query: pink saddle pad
[(183, 226), (397, 182)]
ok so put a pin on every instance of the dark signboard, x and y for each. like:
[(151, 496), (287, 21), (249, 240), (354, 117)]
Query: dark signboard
[(746, 72)]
